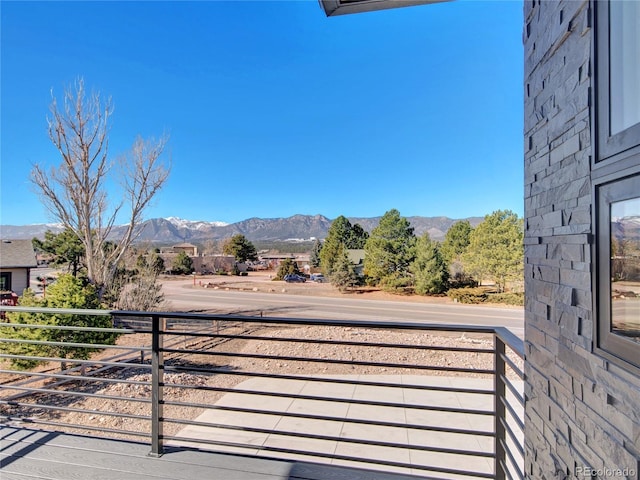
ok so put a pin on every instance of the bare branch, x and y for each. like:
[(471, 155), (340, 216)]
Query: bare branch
[(75, 192)]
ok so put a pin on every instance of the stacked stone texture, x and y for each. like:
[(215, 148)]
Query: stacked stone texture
[(582, 411)]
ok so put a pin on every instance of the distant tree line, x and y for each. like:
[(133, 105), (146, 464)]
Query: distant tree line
[(397, 260)]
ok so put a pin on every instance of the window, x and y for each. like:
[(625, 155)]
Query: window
[(618, 78), (616, 180), (618, 267), (5, 281)]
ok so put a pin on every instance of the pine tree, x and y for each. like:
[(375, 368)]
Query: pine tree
[(67, 292), (314, 258), (241, 248), (390, 250), (496, 249), (344, 274), (182, 264), (429, 268)]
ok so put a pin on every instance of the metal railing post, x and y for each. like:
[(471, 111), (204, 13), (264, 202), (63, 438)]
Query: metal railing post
[(499, 389), (157, 379)]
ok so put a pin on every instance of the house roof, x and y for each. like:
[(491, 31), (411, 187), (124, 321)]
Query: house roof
[(356, 256), (17, 254)]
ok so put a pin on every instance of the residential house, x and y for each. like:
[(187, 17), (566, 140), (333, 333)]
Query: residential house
[(17, 258)]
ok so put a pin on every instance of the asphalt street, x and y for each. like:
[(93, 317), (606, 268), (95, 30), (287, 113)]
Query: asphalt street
[(182, 297)]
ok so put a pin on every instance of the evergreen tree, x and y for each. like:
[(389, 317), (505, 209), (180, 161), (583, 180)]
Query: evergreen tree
[(314, 258), (344, 274), (429, 268), (65, 249), (241, 248), (456, 241), (356, 237), (341, 235), (390, 250), (67, 292), (334, 244), (286, 267), (453, 247), (182, 264), (496, 249)]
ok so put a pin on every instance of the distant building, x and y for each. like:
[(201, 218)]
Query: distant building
[(17, 258), (187, 248)]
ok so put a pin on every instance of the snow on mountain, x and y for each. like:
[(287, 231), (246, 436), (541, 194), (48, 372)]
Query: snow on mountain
[(194, 224)]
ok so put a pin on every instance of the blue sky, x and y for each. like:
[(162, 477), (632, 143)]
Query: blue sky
[(273, 109)]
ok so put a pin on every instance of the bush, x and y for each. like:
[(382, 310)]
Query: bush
[(507, 298), (468, 295), (397, 284)]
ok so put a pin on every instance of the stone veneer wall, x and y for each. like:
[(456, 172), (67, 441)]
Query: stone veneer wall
[(582, 411)]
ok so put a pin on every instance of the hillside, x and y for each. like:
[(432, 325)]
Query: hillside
[(298, 227)]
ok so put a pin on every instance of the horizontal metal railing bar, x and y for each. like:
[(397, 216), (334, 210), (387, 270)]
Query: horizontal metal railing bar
[(333, 438), (65, 426), (76, 360), (63, 311), (71, 393), (71, 328), (514, 368), (331, 342), (506, 336), (247, 325), (90, 346), (512, 412), (332, 361), (373, 461), (343, 381), (354, 401), (513, 390), (77, 377), (318, 322), (512, 435), (357, 421), (77, 410)]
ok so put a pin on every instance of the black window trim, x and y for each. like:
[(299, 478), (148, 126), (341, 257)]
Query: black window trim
[(607, 343), (625, 143), (615, 162)]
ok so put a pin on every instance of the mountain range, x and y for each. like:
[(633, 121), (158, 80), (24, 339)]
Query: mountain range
[(173, 230)]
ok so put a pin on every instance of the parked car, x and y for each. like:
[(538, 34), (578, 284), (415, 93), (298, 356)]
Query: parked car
[(318, 277), (294, 278)]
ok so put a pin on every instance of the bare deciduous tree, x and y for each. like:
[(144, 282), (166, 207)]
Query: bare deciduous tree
[(76, 191)]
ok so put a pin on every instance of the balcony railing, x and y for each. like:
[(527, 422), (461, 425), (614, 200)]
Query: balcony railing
[(434, 400)]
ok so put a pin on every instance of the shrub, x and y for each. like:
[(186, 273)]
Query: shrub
[(397, 284), (507, 298), (468, 295)]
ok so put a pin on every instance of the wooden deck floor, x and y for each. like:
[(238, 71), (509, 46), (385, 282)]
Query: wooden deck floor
[(30, 454)]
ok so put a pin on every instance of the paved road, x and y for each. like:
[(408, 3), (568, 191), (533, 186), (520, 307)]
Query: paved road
[(182, 297)]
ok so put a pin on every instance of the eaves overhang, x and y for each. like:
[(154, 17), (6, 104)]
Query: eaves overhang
[(343, 7)]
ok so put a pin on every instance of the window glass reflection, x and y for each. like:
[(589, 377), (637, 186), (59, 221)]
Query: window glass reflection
[(625, 268), (624, 51)]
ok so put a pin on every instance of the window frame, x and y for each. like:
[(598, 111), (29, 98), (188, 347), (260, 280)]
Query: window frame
[(609, 148), (613, 345), (8, 280), (615, 175)]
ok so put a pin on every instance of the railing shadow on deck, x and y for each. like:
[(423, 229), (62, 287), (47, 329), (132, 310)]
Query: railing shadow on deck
[(432, 400)]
